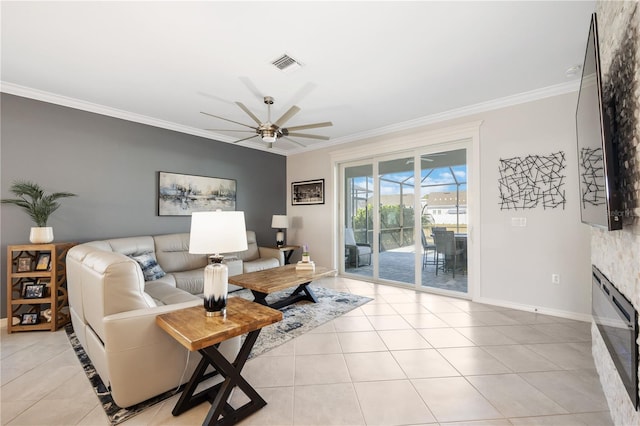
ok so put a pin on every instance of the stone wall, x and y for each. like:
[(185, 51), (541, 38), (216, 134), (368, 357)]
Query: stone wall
[(617, 254)]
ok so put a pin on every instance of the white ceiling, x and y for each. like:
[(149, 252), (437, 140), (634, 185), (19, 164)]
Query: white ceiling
[(369, 67)]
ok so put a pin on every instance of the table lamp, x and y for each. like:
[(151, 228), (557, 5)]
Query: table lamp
[(217, 232), (280, 222)]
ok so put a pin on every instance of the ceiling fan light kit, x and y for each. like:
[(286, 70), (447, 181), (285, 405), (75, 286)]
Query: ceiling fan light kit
[(269, 136), (270, 132)]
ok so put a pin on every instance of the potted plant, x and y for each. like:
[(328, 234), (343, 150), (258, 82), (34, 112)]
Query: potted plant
[(31, 197), (305, 253)]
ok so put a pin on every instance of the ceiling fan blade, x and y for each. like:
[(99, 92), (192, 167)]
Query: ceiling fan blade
[(230, 130), (249, 113), (226, 119), (250, 137), (305, 135), (286, 116), (252, 87), (296, 142), (310, 126)]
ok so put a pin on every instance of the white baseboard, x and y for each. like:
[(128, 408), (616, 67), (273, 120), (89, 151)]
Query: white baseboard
[(3, 322), (536, 309)]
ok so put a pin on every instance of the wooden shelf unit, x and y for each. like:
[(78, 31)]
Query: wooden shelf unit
[(56, 291)]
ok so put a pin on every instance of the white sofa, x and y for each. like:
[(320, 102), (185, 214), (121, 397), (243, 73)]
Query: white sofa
[(113, 308), (257, 258)]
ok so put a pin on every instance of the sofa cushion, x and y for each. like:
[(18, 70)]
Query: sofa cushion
[(150, 268), (165, 294), (252, 252), (132, 245), (191, 281), (234, 265), (172, 252), (260, 264), (168, 279)]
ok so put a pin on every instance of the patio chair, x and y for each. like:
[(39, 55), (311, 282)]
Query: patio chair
[(426, 248), (446, 246), (359, 253)]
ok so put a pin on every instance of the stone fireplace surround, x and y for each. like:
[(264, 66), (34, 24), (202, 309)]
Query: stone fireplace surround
[(617, 253)]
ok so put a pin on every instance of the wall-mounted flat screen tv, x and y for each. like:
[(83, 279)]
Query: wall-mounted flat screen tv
[(600, 203)]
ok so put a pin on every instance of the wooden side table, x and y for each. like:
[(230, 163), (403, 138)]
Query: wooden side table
[(195, 331), (288, 251)]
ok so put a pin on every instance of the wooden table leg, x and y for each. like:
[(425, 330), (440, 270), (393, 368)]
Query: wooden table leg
[(287, 257), (260, 297), (308, 293), (218, 394), (302, 292)]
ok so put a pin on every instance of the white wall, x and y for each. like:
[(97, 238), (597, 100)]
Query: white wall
[(515, 264), (312, 224)]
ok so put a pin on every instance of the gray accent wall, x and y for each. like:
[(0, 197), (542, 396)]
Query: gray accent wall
[(112, 165)]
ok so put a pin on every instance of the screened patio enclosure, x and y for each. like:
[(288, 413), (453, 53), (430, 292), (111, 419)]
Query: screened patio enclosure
[(381, 212)]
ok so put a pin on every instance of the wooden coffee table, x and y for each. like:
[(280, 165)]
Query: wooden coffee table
[(262, 283), (196, 331)]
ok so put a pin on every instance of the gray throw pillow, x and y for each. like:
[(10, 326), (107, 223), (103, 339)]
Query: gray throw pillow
[(150, 268)]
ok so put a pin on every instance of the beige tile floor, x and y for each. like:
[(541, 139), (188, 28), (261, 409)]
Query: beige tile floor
[(406, 358)]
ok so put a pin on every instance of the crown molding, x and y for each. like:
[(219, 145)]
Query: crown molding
[(520, 98), (460, 132), (40, 95)]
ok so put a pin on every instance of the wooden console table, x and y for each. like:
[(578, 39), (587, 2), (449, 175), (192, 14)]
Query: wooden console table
[(197, 332)]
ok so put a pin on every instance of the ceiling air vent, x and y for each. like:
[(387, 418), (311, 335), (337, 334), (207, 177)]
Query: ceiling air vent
[(286, 63)]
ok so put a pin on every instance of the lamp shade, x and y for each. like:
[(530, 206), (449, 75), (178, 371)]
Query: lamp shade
[(279, 221), (217, 232)]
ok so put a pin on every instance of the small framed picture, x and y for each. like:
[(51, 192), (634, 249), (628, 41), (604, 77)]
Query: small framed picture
[(25, 283), (44, 281), (24, 264), (307, 192), (29, 319), (34, 291), (44, 259)]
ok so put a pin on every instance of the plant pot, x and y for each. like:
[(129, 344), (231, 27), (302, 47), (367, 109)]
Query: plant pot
[(41, 235)]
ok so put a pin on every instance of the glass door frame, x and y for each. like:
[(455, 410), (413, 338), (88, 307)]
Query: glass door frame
[(470, 145), (445, 147), (342, 205), (377, 215)]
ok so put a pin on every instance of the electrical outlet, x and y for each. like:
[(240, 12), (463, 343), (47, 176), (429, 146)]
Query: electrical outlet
[(555, 278)]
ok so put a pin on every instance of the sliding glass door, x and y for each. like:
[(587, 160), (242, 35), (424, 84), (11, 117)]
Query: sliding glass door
[(396, 217), (357, 230), (443, 207), (405, 219)]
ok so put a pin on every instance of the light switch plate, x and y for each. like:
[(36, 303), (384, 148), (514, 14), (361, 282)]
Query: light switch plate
[(519, 221)]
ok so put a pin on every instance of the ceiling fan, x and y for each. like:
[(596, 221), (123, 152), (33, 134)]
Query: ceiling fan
[(270, 132)]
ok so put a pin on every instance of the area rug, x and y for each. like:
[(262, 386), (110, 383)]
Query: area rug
[(298, 319)]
